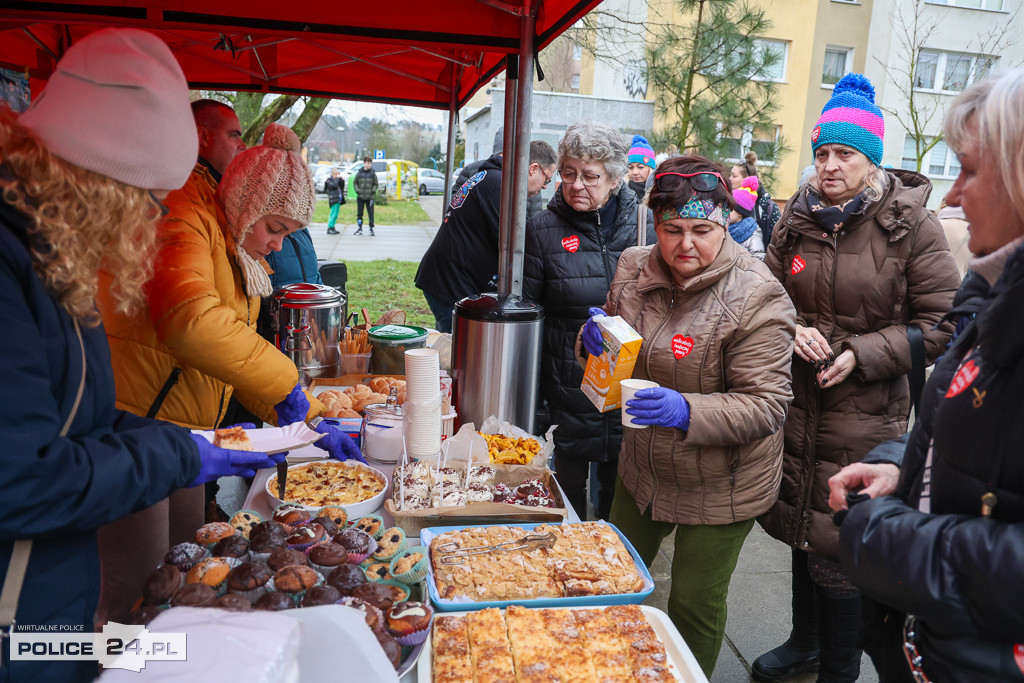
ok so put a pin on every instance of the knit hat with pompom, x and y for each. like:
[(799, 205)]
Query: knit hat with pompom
[(746, 196), (641, 152), (268, 179), (852, 118)]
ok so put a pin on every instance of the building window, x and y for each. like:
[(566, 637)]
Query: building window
[(779, 48), (575, 83), (838, 63), (938, 162), (970, 4), (738, 140), (577, 52), (949, 71)]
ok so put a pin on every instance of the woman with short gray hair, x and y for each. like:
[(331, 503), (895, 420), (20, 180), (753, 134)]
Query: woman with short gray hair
[(572, 251)]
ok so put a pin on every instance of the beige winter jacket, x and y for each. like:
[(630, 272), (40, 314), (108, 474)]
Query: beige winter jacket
[(735, 376)]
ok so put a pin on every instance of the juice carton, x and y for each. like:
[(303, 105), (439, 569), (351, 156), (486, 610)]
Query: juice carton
[(603, 374)]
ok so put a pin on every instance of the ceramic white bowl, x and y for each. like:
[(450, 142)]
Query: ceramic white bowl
[(353, 510)]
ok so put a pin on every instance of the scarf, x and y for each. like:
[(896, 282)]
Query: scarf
[(990, 266), (833, 218), (254, 274), (742, 230), (639, 188)]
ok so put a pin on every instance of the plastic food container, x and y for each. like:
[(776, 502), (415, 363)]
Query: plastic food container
[(381, 433), (389, 344)]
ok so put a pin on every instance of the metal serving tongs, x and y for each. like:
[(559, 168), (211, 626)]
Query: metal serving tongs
[(453, 554)]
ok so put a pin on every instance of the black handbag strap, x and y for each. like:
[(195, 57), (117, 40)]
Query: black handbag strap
[(917, 359)]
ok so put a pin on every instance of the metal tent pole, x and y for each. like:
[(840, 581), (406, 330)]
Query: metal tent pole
[(453, 120)]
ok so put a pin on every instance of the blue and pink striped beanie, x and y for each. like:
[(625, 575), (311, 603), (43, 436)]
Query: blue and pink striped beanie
[(641, 152), (852, 118)]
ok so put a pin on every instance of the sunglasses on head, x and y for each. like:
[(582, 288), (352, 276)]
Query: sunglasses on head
[(702, 181)]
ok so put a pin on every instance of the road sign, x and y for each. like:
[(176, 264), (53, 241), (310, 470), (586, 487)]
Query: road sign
[(378, 154)]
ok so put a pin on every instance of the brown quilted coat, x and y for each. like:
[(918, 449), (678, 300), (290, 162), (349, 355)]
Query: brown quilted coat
[(889, 267), (736, 378)]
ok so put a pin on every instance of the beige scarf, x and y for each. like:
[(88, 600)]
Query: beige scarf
[(257, 282)]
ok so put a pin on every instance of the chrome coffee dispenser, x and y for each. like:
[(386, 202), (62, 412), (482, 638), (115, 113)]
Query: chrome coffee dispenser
[(496, 359), (306, 322)]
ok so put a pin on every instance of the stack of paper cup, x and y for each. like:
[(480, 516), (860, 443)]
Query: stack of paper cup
[(422, 409)]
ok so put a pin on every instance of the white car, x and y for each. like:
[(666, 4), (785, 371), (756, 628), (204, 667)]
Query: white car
[(430, 181), (321, 172)]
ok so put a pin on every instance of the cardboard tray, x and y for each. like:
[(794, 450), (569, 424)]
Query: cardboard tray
[(478, 514), (445, 605), (681, 661)]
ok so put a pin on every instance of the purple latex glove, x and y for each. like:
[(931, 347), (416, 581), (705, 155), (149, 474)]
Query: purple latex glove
[(593, 340), (221, 462), (661, 407), (336, 442), (293, 408)]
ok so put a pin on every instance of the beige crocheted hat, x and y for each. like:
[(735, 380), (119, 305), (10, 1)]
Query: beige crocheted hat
[(267, 179)]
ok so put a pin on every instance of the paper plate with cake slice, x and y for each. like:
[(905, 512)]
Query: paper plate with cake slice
[(270, 440)]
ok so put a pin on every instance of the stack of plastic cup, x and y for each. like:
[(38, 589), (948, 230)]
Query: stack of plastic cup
[(422, 408)]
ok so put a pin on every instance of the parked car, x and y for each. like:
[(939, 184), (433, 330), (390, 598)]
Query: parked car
[(430, 181), (321, 172)]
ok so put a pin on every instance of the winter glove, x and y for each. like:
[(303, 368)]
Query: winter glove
[(218, 462), (336, 442), (593, 340), (293, 408), (659, 406)]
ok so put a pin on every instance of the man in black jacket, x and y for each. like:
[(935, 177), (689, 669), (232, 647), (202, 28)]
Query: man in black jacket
[(463, 258), (365, 183)]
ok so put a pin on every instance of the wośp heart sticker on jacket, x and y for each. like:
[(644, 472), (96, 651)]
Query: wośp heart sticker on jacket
[(798, 265), (963, 378), (681, 346), (571, 244)]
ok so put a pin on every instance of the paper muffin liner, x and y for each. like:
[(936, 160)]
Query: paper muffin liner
[(380, 528), (247, 511), (414, 638), (382, 554), (256, 593), (418, 571), (359, 558), (399, 584), (222, 587), (331, 511)]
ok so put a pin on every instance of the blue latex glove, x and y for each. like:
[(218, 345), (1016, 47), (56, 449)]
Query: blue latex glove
[(293, 408), (220, 462), (336, 442), (659, 406), (593, 341)]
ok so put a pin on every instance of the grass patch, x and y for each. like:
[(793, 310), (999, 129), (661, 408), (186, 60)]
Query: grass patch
[(379, 286), (395, 212)]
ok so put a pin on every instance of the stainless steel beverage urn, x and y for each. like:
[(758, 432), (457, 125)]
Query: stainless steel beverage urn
[(496, 359), (306, 321)]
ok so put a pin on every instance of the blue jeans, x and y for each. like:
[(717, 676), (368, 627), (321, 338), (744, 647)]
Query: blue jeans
[(333, 218), (442, 311)]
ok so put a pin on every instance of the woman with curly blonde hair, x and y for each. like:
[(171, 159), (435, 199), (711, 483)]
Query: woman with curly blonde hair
[(81, 174)]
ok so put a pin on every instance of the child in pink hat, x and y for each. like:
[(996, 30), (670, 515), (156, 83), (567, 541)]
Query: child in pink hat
[(742, 225)]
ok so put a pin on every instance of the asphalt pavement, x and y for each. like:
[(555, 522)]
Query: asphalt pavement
[(759, 596)]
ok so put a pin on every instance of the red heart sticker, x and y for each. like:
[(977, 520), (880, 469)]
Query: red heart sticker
[(681, 345), (798, 265), (571, 244), (815, 134), (1018, 656), (963, 378)]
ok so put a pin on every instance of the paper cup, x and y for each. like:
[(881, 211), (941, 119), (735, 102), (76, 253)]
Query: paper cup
[(628, 388)]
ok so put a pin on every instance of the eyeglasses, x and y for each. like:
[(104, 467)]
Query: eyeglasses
[(589, 179), (547, 178), (703, 181), (158, 205)]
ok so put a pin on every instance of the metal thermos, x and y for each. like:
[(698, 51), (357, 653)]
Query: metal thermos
[(306, 322), (496, 359)]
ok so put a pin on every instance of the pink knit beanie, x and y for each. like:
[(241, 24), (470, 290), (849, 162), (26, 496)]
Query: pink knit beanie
[(117, 104), (746, 195)]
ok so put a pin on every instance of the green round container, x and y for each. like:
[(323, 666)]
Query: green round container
[(389, 344)]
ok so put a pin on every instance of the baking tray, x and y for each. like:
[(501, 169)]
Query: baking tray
[(445, 605), (681, 661)]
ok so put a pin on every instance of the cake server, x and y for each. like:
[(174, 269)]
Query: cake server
[(453, 554), (282, 478)]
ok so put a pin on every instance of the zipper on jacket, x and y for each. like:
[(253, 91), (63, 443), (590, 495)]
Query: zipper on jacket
[(647, 370), (172, 379)]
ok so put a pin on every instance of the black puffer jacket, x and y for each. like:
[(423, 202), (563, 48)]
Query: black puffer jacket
[(958, 572), (569, 265), (335, 188)]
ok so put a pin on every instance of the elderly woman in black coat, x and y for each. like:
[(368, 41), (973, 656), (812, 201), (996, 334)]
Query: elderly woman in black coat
[(572, 250)]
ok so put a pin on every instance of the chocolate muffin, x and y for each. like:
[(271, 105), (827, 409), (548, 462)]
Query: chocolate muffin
[(161, 585), (327, 556), (294, 579), (194, 595), (184, 556), (286, 557), (330, 528), (266, 536), (249, 576), (144, 614), (373, 616), (378, 595), (321, 595), (233, 546), (346, 577), (274, 602), (391, 647), (353, 540), (306, 534), (290, 513), (233, 603)]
